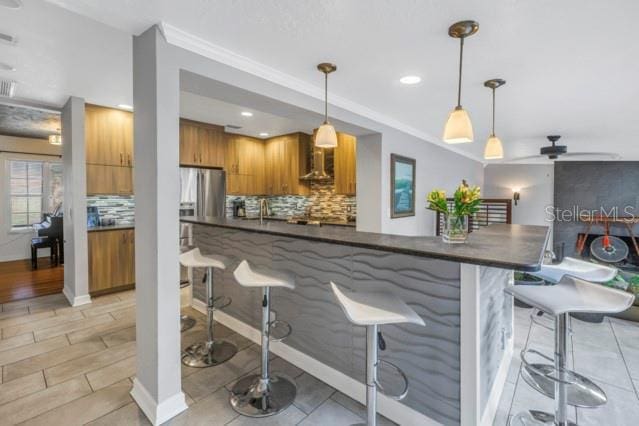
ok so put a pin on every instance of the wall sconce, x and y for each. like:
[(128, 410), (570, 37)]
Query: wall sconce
[(516, 195)]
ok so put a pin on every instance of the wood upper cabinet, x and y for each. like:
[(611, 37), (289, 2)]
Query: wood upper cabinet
[(111, 260), (109, 151), (201, 144), (345, 164), (286, 159), (108, 136), (244, 165), (109, 180)]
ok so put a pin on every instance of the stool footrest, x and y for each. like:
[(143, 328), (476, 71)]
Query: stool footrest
[(279, 324), (404, 391), (221, 302)]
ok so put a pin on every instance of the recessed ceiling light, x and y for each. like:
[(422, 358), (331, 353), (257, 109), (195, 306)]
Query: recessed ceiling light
[(410, 79), (6, 67), (263, 134), (247, 114), (125, 106), (11, 4)]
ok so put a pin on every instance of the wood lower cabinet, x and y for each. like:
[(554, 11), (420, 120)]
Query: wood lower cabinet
[(345, 164), (111, 260), (109, 180), (201, 144)]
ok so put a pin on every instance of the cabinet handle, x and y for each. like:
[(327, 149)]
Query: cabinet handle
[(194, 158), (120, 158), (129, 156)]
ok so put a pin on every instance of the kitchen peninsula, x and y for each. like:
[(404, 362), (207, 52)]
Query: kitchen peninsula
[(456, 365)]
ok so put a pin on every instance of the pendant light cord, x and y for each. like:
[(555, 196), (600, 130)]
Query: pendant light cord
[(325, 97), (493, 112), (461, 56)]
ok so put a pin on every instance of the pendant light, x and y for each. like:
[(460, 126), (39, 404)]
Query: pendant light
[(458, 127), (326, 136), (494, 149)]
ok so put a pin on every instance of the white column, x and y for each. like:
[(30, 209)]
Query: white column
[(76, 260), (157, 387), (469, 345)]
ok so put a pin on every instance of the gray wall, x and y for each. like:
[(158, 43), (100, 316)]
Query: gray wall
[(592, 185)]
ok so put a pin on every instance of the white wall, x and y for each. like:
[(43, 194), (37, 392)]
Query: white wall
[(536, 183), (436, 168), (15, 245)]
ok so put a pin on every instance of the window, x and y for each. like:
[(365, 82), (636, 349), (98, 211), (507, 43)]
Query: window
[(30, 183)]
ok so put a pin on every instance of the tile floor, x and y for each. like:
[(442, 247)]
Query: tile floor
[(74, 366), (607, 353)]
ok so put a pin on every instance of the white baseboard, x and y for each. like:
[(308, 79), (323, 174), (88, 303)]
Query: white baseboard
[(490, 410), (393, 410), (157, 413), (76, 300)]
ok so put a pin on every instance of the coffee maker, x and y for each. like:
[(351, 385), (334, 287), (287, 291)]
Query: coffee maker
[(239, 208)]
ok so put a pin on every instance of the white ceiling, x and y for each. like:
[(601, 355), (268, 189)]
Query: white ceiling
[(570, 66), (208, 110)]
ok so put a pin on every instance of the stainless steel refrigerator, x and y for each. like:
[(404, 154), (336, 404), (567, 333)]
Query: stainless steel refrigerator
[(202, 193)]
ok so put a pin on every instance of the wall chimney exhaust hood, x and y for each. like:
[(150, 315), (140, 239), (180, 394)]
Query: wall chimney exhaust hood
[(318, 172)]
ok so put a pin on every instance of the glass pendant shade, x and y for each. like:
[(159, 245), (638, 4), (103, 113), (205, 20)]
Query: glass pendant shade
[(458, 127), (326, 136), (55, 139), (493, 150)]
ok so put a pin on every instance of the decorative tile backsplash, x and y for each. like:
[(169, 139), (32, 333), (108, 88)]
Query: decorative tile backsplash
[(120, 208), (322, 201)]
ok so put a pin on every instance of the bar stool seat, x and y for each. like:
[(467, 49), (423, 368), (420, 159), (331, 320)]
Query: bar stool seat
[(578, 268), (264, 394), (371, 310), (195, 259), (375, 308), (570, 295), (212, 351)]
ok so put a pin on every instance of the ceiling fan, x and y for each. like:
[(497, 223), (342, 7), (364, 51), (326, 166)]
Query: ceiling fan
[(555, 151)]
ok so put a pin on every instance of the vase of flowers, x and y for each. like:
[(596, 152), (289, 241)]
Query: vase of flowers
[(465, 203)]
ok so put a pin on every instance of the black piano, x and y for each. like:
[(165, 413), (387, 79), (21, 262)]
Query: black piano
[(49, 236)]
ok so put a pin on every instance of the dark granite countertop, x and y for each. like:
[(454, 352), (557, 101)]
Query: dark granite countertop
[(111, 227), (519, 247), (285, 218)]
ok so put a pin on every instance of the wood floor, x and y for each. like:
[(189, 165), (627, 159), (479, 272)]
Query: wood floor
[(18, 281), (74, 366)]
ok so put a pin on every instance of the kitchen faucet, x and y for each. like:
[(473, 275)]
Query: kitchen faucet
[(263, 209)]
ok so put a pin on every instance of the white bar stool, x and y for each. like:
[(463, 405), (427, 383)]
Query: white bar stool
[(212, 351), (555, 381), (578, 268), (261, 395), (372, 310)]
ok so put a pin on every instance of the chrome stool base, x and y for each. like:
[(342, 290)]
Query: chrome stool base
[(207, 354), (254, 397), (582, 392), (186, 323), (536, 418)]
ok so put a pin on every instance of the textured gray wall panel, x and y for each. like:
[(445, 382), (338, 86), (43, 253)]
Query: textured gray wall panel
[(495, 315), (429, 355)]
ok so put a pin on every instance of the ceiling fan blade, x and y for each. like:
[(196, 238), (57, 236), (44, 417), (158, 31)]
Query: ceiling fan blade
[(610, 155), (526, 158)]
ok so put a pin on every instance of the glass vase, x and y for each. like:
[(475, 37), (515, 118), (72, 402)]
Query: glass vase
[(455, 229)]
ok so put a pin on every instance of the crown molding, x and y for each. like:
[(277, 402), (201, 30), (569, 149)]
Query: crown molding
[(187, 41)]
